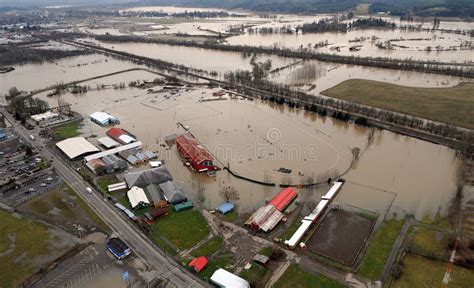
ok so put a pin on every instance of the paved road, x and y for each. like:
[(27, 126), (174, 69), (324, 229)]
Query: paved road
[(166, 267)]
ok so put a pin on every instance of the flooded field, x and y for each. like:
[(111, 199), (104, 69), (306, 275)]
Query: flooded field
[(314, 76), (36, 76), (322, 75), (209, 60), (414, 44), (242, 135)]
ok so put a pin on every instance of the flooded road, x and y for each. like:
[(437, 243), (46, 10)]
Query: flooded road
[(254, 139)]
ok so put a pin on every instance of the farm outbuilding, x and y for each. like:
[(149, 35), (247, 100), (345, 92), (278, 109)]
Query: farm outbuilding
[(76, 147), (120, 135), (195, 154), (198, 263), (146, 177), (103, 118), (183, 206), (172, 192), (265, 218), (283, 199), (137, 197), (108, 142), (225, 208), (223, 278), (154, 191)]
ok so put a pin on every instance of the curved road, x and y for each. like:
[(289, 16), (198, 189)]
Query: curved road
[(165, 266)]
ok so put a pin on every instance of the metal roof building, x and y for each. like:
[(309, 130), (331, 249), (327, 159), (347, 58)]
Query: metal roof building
[(117, 186), (146, 177), (173, 193), (283, 199), (113, 151), (103, 118), (120, 135), (224, 278), (193, 152), (133, 160), (265, 218), (137, 197), (333, 191), (296, 237), (108, 142), (76, 146), (44, 116)]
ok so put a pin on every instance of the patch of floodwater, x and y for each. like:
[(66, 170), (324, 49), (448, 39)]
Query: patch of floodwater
[(319, 76), (415, 49), (30, 77), (421, 174), (209, 60)]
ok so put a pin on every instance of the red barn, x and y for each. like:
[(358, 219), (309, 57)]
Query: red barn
[(283, 199), (195, 154)]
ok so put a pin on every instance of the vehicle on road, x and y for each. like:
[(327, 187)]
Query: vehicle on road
[(32, 137), (118, 248), (89, 190)]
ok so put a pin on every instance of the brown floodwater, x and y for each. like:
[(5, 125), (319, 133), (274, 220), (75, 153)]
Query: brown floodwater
[(322, 75), (209, 60), (255, 139), (415, 49)]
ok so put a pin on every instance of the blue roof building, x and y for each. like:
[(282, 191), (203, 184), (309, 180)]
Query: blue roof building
[(225, 208)]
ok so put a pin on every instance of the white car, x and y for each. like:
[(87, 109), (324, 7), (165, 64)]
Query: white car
[(89, 190)]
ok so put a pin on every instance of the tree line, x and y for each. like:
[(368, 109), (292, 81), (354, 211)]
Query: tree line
[(17, 54)]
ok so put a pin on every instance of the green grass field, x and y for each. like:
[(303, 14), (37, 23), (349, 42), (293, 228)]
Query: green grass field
[(453, 105), (184, 229), (379, 249), (68, 130), (295, 277), (208, 248), (254, 275), (419, 271), (429, 242), (24, 248)]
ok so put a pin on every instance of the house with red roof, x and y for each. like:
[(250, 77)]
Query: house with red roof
[(195, 154), (198, 263)]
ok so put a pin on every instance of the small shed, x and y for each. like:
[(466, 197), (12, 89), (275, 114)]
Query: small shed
[(261, 259), (198, 263), (133, 160), (183, 206), (225, 208)]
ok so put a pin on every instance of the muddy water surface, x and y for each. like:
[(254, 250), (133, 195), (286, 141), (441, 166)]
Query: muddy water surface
[(420, 176)]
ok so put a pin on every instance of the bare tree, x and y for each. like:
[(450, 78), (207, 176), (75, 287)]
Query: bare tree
[(229, 193)]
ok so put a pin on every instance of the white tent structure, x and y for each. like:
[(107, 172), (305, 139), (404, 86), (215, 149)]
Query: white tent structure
[(137, 197), (76, 146), (224, 278), (103, 118)]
